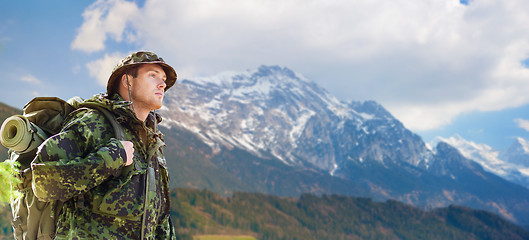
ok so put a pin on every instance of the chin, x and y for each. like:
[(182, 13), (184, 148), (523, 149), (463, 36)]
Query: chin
[(157, 106)]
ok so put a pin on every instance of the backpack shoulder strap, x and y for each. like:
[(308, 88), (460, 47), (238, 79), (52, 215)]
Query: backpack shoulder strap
[(118, 129)]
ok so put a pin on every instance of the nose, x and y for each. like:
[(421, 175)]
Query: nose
[(162, 84)]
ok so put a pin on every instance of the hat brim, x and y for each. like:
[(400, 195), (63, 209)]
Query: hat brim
[(169, 72)]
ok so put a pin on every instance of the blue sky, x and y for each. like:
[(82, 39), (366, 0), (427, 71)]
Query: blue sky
[(442, 67)]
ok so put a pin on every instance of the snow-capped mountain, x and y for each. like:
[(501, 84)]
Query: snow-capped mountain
[(277, 111), (517, 154), (266, 110), (511, 163), (272, 130)]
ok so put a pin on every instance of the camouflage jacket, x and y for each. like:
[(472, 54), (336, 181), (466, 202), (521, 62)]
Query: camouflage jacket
[(83, 166)]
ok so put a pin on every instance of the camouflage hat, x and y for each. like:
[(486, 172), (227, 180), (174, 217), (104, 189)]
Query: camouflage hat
[(135, 59)]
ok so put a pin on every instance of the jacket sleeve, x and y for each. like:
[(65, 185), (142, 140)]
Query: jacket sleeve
[(83, 155)]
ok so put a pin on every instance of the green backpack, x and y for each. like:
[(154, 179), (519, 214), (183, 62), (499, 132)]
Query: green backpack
[(22, 134)]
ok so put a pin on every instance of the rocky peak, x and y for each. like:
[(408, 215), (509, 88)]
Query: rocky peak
[(517, 153), (274, 110)]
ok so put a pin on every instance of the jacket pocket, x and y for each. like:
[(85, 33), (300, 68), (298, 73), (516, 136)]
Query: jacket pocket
[(123, 196)]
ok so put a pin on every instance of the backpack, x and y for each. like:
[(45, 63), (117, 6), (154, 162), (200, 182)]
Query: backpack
[(22, 134)]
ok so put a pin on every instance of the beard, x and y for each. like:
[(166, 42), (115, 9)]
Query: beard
[(144, 100)]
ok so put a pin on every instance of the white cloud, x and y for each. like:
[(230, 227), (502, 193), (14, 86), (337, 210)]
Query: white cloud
[(30, 79), (426, 61), (102, 68), (104, 17), (522, 123)]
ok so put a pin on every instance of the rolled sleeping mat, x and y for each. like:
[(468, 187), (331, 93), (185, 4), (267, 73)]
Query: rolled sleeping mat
[(21, 135)]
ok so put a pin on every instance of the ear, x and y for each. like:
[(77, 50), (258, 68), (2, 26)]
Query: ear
[(124, 83)]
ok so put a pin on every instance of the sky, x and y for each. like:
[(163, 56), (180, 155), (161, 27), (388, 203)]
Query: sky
[(442, 67)]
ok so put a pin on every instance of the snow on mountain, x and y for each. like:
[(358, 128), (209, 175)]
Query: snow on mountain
[(258, 110), (511, 164), (481, 153), (273, 110), (517, 153)]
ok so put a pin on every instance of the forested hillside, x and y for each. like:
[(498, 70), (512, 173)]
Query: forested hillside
[(329, 217)]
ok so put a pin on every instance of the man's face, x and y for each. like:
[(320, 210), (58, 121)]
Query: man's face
[(148, 87)]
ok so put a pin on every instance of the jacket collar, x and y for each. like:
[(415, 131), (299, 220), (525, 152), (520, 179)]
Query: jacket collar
[(123, 109)]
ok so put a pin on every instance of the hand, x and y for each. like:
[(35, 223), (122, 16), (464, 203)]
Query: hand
[(129, 149)]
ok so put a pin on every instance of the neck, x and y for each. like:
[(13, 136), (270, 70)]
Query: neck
[(141, 113)]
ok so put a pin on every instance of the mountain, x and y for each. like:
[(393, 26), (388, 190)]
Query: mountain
[(275, 111), (511, 163), (517, 154), (271, 130)]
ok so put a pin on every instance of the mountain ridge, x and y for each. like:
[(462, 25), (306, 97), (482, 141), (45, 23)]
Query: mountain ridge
[(292, 105), (511, 163)]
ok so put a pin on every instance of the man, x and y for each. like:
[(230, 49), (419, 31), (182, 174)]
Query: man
[(112, 189)]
